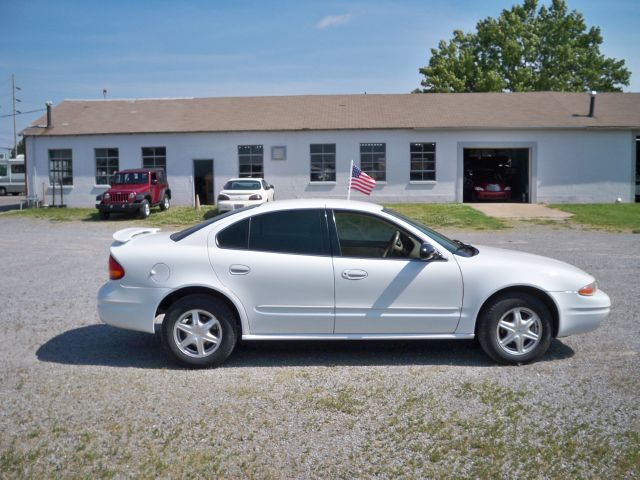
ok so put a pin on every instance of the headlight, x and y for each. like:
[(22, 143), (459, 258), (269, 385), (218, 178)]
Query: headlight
[(478, 189), (132, 195), (107, 196), (588, 290), (507, 189)]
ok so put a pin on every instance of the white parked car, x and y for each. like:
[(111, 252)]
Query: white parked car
[(343, 270), (242, 192)]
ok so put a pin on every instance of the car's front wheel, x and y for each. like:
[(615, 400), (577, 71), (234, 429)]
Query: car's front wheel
[(145, 209), (515, 329), (166, 203), (199, 331)]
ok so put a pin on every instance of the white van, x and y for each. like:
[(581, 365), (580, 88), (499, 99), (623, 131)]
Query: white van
[(12, 174)]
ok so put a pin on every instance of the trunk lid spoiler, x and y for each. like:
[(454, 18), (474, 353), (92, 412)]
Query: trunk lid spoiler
[(127, 234)]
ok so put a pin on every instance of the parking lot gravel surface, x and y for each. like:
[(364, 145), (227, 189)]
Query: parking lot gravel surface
[(80, 399)]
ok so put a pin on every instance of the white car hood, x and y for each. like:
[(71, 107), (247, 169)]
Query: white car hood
[(521, 268)]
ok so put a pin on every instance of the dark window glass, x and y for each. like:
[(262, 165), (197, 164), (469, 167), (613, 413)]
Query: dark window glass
[(323, 162), (373, 160), (3, 170), (60, 167), (251, 160), (423, 161), (17, 168), (235, 236), (154, 157), (367, 236), (293, 231)]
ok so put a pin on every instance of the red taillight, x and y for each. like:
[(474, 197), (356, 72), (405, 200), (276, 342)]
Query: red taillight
[(116, 272), (256, 196), (223, 196)]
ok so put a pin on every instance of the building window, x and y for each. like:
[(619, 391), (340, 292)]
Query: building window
[(251, 160), (154, 157), (60, 167), (107, 162), (373, 160), (323, 162), (423, 162)]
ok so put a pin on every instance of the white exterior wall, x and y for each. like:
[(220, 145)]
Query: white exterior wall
[(566, 165)]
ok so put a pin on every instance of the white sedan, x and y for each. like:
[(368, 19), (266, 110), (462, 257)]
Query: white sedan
[(242, 192), (338, 270)]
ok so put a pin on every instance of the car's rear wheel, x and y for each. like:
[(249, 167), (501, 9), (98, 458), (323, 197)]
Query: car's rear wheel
[(145, 209), (515, 329), (166, 203), (3, 191), (199, 331)]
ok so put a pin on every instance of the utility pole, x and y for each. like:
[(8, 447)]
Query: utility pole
[(15, 112)]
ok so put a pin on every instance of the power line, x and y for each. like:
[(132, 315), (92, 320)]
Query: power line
[(18, 112)]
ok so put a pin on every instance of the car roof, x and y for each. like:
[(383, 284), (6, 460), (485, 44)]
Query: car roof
[(244, 178), (320, 203)]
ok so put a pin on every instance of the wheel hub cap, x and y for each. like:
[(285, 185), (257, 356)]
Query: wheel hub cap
[(519, 331), (197, 333)]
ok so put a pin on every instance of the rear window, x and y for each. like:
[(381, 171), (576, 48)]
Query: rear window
[(176, 237), (242, 185)]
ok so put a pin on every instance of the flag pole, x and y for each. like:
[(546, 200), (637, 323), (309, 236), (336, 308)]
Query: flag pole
[(350, 177)]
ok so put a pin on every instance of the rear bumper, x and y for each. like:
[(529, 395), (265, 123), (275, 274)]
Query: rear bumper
[(131, 308), (228, 205), (118, 207), (580, 314)]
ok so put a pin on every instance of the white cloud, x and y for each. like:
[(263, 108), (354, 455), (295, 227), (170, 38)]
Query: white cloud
[(334, 20)]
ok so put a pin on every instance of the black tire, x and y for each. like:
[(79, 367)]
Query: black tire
[(165, 204), (515, 309), (145, 209), (3, 191), (209, 310), (104, 215)]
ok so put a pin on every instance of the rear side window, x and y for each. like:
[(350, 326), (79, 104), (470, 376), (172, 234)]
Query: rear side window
[(293, 231), (235, 236)]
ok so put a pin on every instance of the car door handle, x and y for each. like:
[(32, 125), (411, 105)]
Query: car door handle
[(354, 274), (239, 269)]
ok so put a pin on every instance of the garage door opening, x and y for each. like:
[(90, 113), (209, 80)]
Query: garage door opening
[(496, 175)]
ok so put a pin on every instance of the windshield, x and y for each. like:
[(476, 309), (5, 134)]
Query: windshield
[(242, 185), (176, 237), (452, 245), (130, 178)]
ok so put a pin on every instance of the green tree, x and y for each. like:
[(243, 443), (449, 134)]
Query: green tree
[(525, 49)]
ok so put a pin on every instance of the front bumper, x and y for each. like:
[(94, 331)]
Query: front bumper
[(493, 195), (580, 314), (132, 308), (118, 207)]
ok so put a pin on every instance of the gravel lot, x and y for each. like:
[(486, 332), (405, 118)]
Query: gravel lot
[(81, 399)]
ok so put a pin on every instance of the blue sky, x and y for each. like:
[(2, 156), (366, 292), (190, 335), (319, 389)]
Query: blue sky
[(66, 49)]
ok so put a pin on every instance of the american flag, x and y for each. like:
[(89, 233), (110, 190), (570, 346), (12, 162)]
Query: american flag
[(360, 181)]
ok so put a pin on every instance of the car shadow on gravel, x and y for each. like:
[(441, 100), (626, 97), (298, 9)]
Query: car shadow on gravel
[(107, 346)]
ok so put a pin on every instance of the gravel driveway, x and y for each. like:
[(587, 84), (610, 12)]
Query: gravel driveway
[(82, 399)]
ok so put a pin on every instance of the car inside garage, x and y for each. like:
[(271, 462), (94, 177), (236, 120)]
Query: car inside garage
[(496, 175)]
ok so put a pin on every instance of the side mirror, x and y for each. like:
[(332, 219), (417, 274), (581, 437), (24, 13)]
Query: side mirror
[(270, 187), (428, 252), (154, 181)]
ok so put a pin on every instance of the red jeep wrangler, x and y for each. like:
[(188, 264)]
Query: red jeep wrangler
[(135, 191)]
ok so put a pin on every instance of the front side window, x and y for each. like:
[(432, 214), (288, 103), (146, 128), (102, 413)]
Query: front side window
[(423, 162), (291, 231), (107, 164), (323, 162), (368, 236), (154, 157), (373, 160), (251, 160), (60, 167)]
